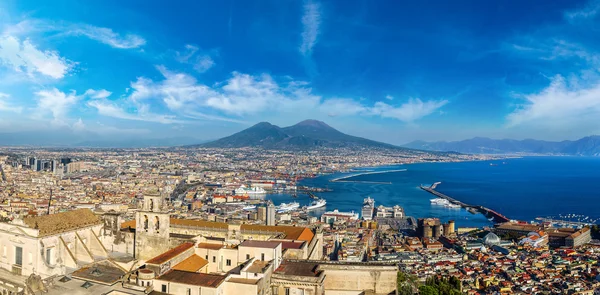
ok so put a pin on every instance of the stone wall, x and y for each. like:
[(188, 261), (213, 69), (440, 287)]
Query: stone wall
[(345, 278)]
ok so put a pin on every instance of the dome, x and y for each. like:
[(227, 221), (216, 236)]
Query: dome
[(491, 239)]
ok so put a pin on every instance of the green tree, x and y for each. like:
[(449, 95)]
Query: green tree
[(428, 290)]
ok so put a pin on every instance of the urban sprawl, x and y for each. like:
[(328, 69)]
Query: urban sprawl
[(200, 221)]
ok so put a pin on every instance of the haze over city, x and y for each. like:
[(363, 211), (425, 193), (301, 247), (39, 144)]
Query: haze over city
[(393, 72)]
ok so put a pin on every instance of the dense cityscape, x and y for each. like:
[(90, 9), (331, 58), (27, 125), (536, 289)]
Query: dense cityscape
[(199, 221)]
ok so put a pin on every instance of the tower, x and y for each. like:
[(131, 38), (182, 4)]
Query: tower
[(152, 227), (270, 214)]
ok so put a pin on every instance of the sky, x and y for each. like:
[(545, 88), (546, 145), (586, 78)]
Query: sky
[(393, 71)]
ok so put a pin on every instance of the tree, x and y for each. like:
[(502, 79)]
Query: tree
[(428, 290)]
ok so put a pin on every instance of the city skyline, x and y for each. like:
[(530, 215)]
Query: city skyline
[(394, 73)]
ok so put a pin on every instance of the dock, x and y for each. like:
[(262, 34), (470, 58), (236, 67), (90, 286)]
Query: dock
[(488, 213)]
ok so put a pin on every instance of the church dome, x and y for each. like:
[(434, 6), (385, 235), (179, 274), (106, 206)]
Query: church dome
[(491, 239)]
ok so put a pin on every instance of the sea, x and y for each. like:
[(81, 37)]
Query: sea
[(519, 188)]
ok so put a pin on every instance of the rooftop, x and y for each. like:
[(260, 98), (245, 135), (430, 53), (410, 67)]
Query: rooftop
[(164, 257), (260, 244), (192, 278), (192, 264), (298, 268), (62, 222), (291, 232)]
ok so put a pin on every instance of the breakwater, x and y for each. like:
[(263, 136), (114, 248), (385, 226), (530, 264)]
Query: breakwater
[(489, 213), (344, 178)]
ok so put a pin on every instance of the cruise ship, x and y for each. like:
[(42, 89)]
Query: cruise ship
[(368, 208), (318, 203), (244, 190), (439, 201), (287, 207)]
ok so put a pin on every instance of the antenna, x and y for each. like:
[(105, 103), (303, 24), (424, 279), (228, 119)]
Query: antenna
[(50, 202)]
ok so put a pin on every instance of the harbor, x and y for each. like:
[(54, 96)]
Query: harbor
[(489, 213)]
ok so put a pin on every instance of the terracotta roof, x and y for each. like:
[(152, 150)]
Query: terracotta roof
[(291, 232), (166, 256), (130, 223), (62, 222), (210, 246), (193, 264), (192, 278), (260, 244)]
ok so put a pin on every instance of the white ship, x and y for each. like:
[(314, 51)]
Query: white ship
[(287, 207), (243, 190), (452, 206), (249, 207), (367, 208), (318, 203), (439, 201)]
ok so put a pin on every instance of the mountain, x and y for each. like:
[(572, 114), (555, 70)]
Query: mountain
[(304, 135), (587, 146)]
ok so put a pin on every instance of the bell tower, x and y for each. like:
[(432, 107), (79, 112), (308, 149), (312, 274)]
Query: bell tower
[(152, 226)]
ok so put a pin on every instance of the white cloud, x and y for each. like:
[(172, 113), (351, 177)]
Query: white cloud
[(590, 10), (107, 36), (26, 57), (249, 95), (98, 94), (78, 125), (57, 103), (104, 35), (204, 63), (112, 110), (409, 111), (311, 20), (561, 105), (201, 62), (5, 107), (389, 97)]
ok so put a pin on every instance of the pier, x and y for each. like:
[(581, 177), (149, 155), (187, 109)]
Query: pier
[(567, 223), (489, 213), (341, 179)]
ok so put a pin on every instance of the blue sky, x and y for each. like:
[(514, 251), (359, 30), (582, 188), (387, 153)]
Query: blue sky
[(393, 71)]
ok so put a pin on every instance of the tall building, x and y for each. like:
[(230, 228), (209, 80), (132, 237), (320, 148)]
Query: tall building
[(152, 227), (262, 213), (270, 214)]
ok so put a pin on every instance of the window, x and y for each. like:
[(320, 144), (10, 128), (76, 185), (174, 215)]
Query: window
[(18, 256), (287, 291), (146, 222), (262, 256), (228, 262), (206, 257), (156, 224), (188, 291), (164, 288), (275, 290), (214, 259), (247, 256), (49, 256)]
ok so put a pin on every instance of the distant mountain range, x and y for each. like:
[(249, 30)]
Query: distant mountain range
[(307, 134), (587, 146)]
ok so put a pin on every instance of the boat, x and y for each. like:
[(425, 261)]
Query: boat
[(250, 207), (368, 208), (244, 190), (452, 206), (287, 207), (316, 204), (439, 201)]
